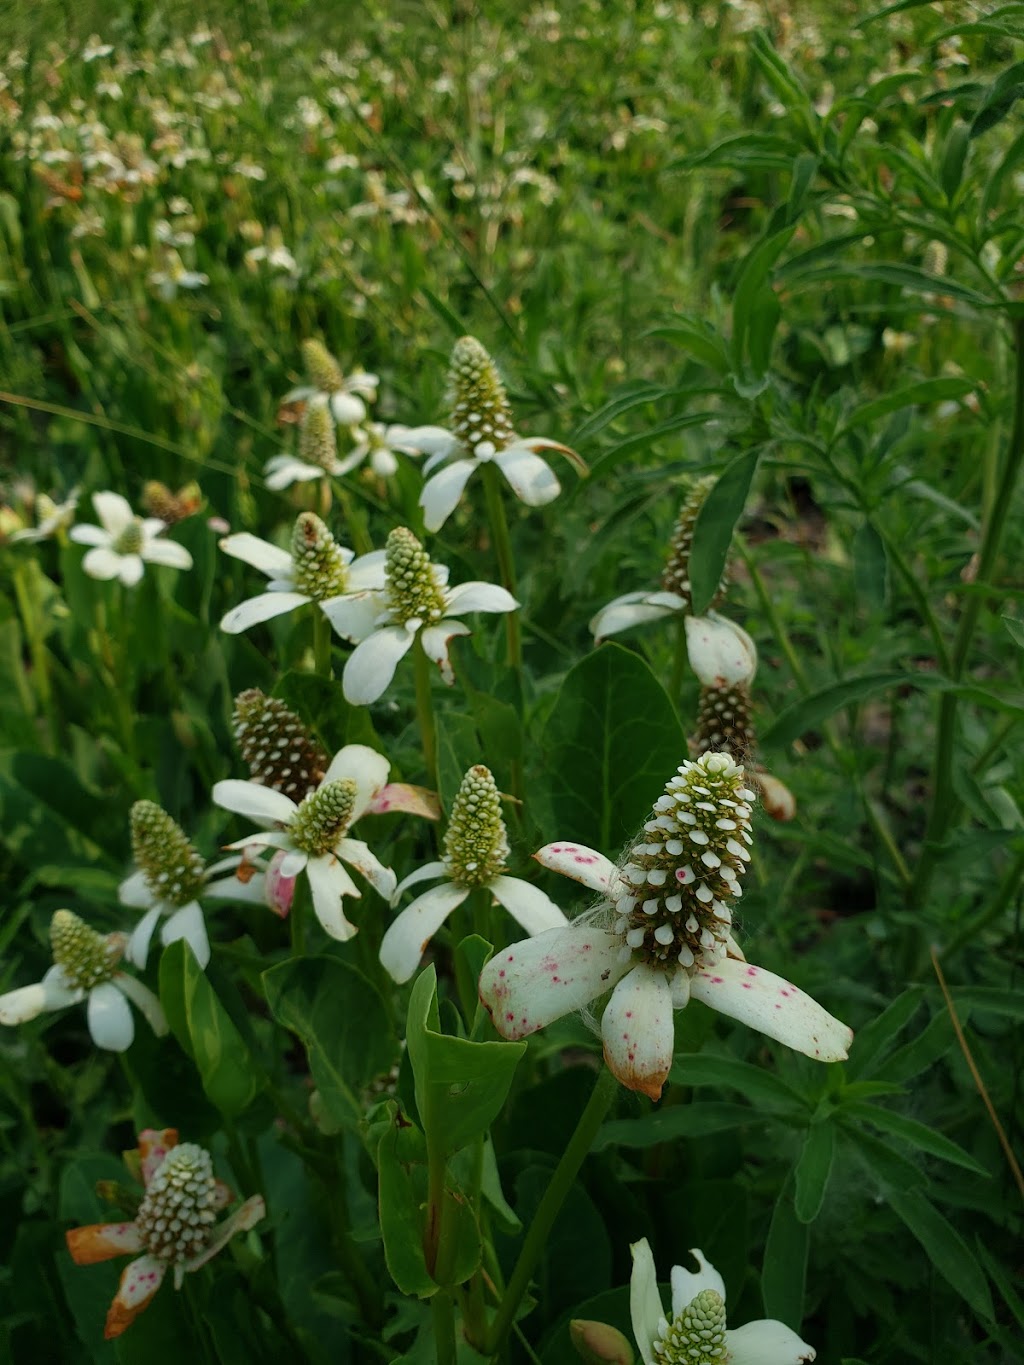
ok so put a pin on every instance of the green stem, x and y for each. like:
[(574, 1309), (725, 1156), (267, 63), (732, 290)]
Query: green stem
[(943, 805), (425, 710), (506, 565), (321, 643), (439, 1252), (554, 1196), (442, 1308)]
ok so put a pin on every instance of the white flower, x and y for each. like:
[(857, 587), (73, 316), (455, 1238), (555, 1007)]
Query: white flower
[(314, 832), (415, 604), (343, 394), (383, 444), (51, 517), (695, 1333), (85, 968), (633, 609), (175, 276), (317, 569), (659, 939), (125, 543), (481, 433), (475, 852)]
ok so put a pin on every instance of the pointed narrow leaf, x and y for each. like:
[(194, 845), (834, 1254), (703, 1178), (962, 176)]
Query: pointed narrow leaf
[(760, 1086), (784, 1269), (917, 1134), (713, 530), (944, 1247), (813, 1170)]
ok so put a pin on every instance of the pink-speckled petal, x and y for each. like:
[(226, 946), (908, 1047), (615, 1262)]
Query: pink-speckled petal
[(154, 1144), (102, 1241), (773, 1006), (638, 1032), (532, 983), (582, 864), (139, 1283)]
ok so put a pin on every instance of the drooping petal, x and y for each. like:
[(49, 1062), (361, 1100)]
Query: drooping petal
[(114, 512), (269, 559), (85, 534), (110, 1020), (134, 891), (246, 1216), (773, 1006), (582, 864), (766, 1342), (262, 608), (536, 443), (254, 800), (687, 1284), (531, 479), (59, 991), (144, 1001), (137, 951), (638, 1032), (372, 664), (188, 923), (346, 409), (434, 640), (290, 862), (25, 1003), (646, 1312), (139, 1283), (329, 883), (167, 552), (367, 571), (103, 1241), (631, 609), (721, 653), (406, 939), (102, 563), (358, 855), (539, 979), (363, 766), (441, 493), (427, 873), (528, 905), (406, 797), (154, 1144), (355, 615), (130, 571), (469, 597)]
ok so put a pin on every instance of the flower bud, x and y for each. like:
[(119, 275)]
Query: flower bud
[(278, 891), (173, 869), (480, 414), (598, 1343), (323, 370), (413, 592), (721, 653), (319, 563), (476, 842)]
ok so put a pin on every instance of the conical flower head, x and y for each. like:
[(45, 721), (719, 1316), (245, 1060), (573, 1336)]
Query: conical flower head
[(697, 1335), (171, 866), (476, 842), (480, 415), (280, 751), (86, 958), (323, 817), (685, 867), (676, 577), (129, 541), (323, 370), (724, 722), (180, 1205), (317, 557), (318, 444), (413, 592)]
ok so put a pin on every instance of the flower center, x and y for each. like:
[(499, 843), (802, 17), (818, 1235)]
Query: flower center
[(323, 817), (86, 958), (476, 842), (323, 370), (697, 1335), (173, 870), (685, 866), (316, 555), (676, 577), (413, 593), (280, 751), (318, 444), (480, 415), (129, 541), (179, 1206)]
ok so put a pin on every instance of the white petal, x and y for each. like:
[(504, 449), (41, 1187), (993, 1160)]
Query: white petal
[(384, 463), (270, 559), (151, 528), (144, 1001), (631, 609), (188, 923), (114, 512), (329, 882), (167, 552), (638, 1032), (527, 904), (139, 1282), (582, 864), (102, 563), (282, 470), (253, 799), (262, 608), (137, 951), (406, 939), (539, 979), (357, 855), (771, 1005), (23, 1004), (346, 409), (246, 1216), (442, 451), (131, 568), (264, 838), (766, 1342), (110, 1020), (441, 493), (425, 440), (59, 991), (434, 640), (428, 872), (469, 597), (365, 767), (532, 480), (721, 654), (134, 891), (367, 571), (645, 1307), (289, 863), (83, 534), (687, 1284), (372, 664), (232, 889), (354, 615)]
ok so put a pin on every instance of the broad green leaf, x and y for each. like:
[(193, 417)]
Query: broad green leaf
[(944, 1247), (875, 1039), (784, 1269), (632, 444), (670, 1122), (343, 1021), (761, 1087), (917, 1134), (50, 817), (1002, 1282), (714, 527), (638, 396), (226, 1069), (611, 742), (461, 1086), (812, 1170), (913, 395)]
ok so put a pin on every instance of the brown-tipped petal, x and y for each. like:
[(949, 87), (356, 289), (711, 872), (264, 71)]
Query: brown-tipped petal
[(406, 798), (638, 1032), (102, 1241), (139, 1283), (154, 1144), (776, 798)]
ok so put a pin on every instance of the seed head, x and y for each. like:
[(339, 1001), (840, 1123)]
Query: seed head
[(413, 593), (86, 958), (319, 565), (724, 722), (697, 1335), (171, 866), (323, 370), (476, 843), (180, 1205), (159, 501), (480, 415), (280, 751), (676, 577), (323, 817)]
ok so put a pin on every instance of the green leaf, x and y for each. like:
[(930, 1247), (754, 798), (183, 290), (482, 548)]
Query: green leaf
[(713, 529), (761, 1087), (917, 1134), (875, 1039), (321, 704), (870, 567), (887, 1168), (920, 1053), (812, 710), (944, 1247), (908, 277), (1005, 91), (954, 156), (461, 1086), (812, 1170), (755, 309), (343, 1021), (784, 1269), (1016, 629), (700, 339), (912, 395), (458, 748), (674, 1121), (989, 998), (610, 744)]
